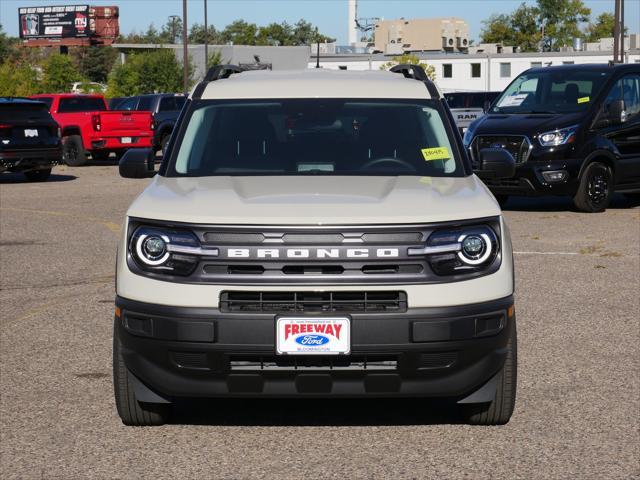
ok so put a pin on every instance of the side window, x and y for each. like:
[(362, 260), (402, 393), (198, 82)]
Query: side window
[(145, 104), (627, 89), (167, 104)]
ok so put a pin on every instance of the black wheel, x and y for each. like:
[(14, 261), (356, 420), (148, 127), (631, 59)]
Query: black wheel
[(73, 152), (38, 175), (502, 199), (100, 156), (595, 190), (499, 411), (131, 411)]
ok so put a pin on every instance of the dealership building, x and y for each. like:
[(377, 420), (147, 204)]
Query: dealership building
[(475, 71)]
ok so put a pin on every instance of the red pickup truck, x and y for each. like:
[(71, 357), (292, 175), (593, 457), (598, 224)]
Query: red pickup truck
[(89, 128)]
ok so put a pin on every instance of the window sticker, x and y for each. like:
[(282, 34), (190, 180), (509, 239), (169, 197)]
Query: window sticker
[(583, 99), (437, 153), (513, 100)]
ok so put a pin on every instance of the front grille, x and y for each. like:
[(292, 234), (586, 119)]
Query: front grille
[(313, 302), (314, 363), (517, 145)]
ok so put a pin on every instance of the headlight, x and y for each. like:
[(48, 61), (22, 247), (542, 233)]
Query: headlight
[(558, 137), (464, 250), (167, 251)]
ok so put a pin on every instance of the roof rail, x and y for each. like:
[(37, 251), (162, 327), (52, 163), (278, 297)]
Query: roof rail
[(215, 73), (416, 72)]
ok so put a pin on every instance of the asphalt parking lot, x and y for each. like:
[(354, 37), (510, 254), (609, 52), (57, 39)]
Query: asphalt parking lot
[(577, 413)]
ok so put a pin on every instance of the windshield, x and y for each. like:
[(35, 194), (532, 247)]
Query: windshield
[(316, 137), (557, 91)]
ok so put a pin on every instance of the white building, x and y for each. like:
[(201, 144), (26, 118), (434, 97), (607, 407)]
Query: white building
[(475, 72)]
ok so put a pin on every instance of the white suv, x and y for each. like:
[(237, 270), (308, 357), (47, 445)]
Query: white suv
[(315, 234)]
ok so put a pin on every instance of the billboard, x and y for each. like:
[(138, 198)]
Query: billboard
[(63, 21)]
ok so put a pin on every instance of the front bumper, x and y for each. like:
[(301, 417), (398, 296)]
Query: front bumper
[(424, 352), (30, 159)]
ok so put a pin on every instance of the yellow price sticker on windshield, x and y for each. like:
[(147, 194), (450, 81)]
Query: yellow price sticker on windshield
[(437, 153), (583, 99)]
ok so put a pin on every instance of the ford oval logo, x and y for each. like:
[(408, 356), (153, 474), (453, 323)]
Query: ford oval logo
[(312, 340)]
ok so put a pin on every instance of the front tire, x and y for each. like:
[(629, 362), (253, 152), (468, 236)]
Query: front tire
[(595, 189), (131, 411), (73, 152), (499, 411), (38, 175)]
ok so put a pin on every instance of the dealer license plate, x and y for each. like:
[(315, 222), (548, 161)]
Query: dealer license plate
[(28, 133), (125, 139), (313, 336)]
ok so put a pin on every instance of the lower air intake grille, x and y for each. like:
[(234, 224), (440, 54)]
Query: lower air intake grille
[(313, 363), (315, 302)]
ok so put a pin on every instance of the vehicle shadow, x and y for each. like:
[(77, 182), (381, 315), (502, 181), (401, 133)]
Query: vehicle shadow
[(305, 412), (20, 178), (559, 204)]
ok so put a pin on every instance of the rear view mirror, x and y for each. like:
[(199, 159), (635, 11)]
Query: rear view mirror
[(137, 163), (486, 106), (496, 163)]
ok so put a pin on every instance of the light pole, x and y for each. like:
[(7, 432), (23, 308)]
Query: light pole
[(206, 39), (185, 50)]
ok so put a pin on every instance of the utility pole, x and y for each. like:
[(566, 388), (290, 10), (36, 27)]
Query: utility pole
[(618, 32), (206, 39), (185, 50)]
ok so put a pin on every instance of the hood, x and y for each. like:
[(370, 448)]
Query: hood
[(524, 124), (317, 200)]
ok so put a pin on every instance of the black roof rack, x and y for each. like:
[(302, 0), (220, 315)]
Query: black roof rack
[(416, 72), (215, 73)]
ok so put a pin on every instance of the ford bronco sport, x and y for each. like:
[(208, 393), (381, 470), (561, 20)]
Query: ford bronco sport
[(315, 234)]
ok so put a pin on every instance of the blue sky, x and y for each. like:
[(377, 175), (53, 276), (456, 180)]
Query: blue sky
[(329, 15)]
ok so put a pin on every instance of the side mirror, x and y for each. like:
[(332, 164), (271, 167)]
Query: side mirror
[(137, 163), (616, 112), (486, 106), (496, 163)]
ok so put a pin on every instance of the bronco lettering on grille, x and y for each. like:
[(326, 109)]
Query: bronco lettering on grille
[(312, 253)]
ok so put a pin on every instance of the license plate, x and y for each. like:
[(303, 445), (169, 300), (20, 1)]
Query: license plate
[(125, 139), (28, 133), (313, 336)]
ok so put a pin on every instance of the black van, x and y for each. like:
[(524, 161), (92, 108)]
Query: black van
[(573, 130)]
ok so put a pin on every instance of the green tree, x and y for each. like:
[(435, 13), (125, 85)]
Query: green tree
[(215, 59), (6, 45), (413, 60), (602, 28), (240, 32), (519, 29), (18, 80), (59, 73), (561, 20), (304, 33), (197, 35), (147, 72), (278, 34), (171, 31), (95, 63)]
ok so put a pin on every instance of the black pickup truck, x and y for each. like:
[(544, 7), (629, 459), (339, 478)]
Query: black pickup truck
[(164, 107), (573, 130)]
